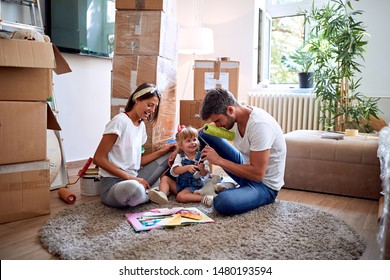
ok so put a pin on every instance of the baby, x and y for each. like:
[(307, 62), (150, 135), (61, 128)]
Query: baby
[(188, 170)]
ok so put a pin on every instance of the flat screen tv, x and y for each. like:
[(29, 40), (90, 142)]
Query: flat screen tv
[(81, 26)]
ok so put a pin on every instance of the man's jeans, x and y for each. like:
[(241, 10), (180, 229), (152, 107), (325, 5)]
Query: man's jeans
[(249, 195)]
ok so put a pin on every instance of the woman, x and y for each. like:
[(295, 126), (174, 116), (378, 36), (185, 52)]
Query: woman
[(125, 173)]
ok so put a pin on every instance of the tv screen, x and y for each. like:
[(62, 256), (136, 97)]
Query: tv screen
[(82, 26)]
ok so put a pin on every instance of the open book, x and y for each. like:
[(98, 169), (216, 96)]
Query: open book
[(167, 217)]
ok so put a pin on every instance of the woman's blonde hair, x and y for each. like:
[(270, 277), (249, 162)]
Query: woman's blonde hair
[(186, 132)]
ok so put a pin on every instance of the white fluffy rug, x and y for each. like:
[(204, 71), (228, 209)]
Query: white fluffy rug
[(283, 230)]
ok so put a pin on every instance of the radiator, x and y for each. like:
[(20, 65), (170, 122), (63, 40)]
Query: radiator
[(292, 111)]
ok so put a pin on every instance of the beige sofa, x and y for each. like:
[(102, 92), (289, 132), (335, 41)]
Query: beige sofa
[(347, 167)]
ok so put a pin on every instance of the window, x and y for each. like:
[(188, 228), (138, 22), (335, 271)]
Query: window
[(287, 35), (281, 31), (264, 48)]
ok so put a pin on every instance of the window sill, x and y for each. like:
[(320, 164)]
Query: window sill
[(286, 88)]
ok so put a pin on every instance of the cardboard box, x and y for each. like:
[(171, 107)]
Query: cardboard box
[(23, 128), (146, 33), (165, 128), (189, 113), (118, 105), (158, 5), (129, 71), (25, 190), (210, 74), (26, 69)]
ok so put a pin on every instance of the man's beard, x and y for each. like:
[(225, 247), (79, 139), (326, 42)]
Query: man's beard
[(230, 122)]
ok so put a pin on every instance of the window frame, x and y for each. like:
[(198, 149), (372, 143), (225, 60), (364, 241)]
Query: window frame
[(264, 48), (264, 53)]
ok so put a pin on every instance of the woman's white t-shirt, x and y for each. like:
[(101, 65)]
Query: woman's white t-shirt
[(126, 152), (262, 132)]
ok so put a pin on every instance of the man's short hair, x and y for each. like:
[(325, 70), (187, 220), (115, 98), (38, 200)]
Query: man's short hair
[(216, 102)]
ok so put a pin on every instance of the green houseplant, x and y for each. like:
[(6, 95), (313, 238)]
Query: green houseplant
[(301, 61), (337, 55)]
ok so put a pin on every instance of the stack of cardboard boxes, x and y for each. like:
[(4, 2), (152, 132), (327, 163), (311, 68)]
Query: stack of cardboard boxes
[(25, 84), (146, 37), (208, 74)]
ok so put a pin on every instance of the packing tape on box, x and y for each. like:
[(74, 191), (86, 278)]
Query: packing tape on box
[(217, 70), (66, 195), (219, 132)]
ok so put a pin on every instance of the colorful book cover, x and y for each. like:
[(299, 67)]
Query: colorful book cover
[(167, 217)]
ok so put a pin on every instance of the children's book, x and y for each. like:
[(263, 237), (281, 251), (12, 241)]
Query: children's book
[(167, 217)]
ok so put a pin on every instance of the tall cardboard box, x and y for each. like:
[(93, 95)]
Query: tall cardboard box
[(189, 113), (209, 74), (158, 5), (118, 105), (146, 33), (129, 71), (165, 128), (24, 190), (26, 69)]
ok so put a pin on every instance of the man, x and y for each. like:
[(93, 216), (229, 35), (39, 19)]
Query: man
[(257, 159)]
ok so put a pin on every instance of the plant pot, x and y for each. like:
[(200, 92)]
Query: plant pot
[(305, 80)]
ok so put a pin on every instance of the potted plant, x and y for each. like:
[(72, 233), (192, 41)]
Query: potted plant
[(337, 53), (301, 61)]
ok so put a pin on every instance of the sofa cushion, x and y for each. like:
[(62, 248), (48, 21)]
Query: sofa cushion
[(308, 144), (346, 167)]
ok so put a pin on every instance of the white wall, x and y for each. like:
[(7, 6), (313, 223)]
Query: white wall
[(375, 74), (233, 25), (83, 101), (83, 97)]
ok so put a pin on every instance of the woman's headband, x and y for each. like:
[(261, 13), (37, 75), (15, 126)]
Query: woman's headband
[(143, 91)]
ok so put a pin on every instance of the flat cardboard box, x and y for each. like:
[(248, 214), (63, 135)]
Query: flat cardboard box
[(23, 130), (146, 33), (129, 71), (189, 113), (25, 190), (158, 5), (26, 69), (210, 74)]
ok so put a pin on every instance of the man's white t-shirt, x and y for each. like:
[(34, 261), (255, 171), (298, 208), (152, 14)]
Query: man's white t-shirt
[(262, 132), (126, 152)]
